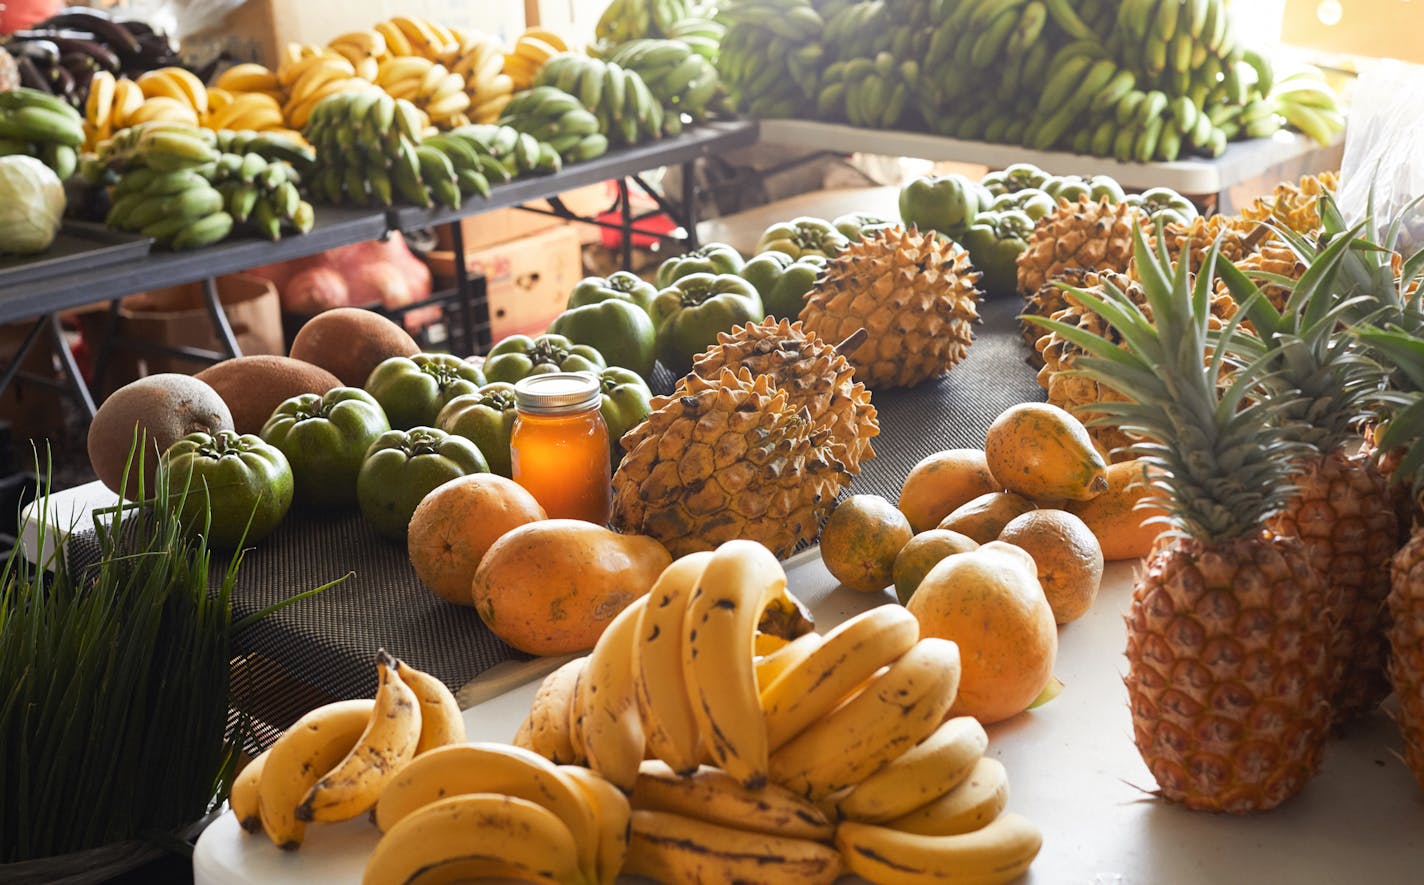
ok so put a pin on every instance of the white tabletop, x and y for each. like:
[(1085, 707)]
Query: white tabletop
[(1072, 768)]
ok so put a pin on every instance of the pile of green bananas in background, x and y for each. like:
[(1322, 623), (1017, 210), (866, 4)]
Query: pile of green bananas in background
[(624, 20), (177, 184), (680, 78), (557, 118), (1138, 80), (623, 107), (486, 154), (41, 125)]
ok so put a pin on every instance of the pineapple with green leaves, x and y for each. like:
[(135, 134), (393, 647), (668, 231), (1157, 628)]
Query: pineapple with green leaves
[(1342, 508), (1228, 668)]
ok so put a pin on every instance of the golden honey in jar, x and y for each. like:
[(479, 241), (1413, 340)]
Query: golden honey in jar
[(559, 445)]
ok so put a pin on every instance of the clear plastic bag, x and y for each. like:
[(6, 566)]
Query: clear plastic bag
[(1384, 150)]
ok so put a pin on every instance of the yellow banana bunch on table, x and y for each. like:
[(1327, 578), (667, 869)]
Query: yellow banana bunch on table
[(408, 36), (163, 95), (479, 58), (364, 49), (314, 76), (531, 49), (429, 85)]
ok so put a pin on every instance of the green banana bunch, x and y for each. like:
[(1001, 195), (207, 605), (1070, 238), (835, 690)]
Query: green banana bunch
[(612, 100), (512, 153), (263, 192), (702, 35), (625, 20), (267, 144), (871, 93), (550, 115), (681, 80), (1306, 102), (367, 147), (41, 125)]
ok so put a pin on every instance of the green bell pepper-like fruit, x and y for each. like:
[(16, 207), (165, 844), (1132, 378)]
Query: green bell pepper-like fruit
[(855, 225), (1014, 178), (414, 389), (946, 203), (520, 356), (238, 487), (625, 403), (690, 313), (485, 418), (325, 438), (995, 242), (1068, 187), (783, 281), (403, 466), (620, 286), (1101, 186), (621, 332), (1166, 204), (803, 236), (1032, 202), (713, 258)]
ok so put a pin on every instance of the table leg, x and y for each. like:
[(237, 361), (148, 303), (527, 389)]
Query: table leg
[(220, 324), (71, 368), (24, 350), (626, 223), (106, 350), (689, 203)]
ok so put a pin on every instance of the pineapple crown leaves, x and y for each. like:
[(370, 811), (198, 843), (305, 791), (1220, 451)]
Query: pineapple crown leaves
[(1368, 269), (1405, 427), (1311, 358), (1222, 457)]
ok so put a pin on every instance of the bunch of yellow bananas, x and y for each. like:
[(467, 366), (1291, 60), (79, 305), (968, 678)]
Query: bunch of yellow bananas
[(334, 763), (310, 73), (364, 49), (112, 105), (429, 85), (406, 36), (479, 58), (531, 49)]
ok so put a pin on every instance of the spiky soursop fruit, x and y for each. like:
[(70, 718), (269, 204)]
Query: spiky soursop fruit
[(1297, 206), (726, 458), (1081, 236), (915, 296), (813, 373), (1238, 239)]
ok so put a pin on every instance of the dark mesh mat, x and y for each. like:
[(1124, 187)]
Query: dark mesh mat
[(321, 649)]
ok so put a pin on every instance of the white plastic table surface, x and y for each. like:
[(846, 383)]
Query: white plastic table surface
[(1242, 161), (1072, 768)]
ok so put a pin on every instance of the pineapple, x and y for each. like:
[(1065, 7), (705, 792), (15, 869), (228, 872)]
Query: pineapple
[(1084, 236), (1275, 264), (1342, 507), (725, 458), (915, 296), (1228, 675)]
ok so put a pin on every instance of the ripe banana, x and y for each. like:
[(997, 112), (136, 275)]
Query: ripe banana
[(919, 776), (460, 769), (1001, 852), (970, 806), (894, 712), (580, 749), (771, 664), (611, 813), (711, 795), (441, 722), (668, 722), (475, 826), (387, 744), (242, 795), (612, 729), (741, 581), (302, 756), (672, 848), (850, 654)]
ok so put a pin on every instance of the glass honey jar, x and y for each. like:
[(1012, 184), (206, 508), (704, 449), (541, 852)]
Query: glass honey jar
[(559, 445)]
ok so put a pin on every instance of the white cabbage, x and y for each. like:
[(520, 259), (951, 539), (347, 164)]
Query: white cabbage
[(31, 205)]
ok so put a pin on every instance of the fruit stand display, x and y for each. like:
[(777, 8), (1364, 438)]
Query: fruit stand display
[(860, 510)]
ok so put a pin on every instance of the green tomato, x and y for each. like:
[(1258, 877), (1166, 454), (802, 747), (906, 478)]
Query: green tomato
[(485, 418), (1105, 186), (621, 332), (855, 225), (624, 404), (239, 486), (946, 203), (1068, 187), (1034, 203), (689, 314), (803, 236), (713, 258), (782, 281), (325, 438), (520, 356), (413, 389), (995, 242), (620, 286), (403, 466), (1167, 204)]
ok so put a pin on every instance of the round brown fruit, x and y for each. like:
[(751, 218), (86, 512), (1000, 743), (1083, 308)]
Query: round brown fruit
[(254, 386), (349, 342), (941, 483), (163, 408), (983, 518), (923, 553), (1069, 560), (861, 540), (1045, 454), (455, 525)]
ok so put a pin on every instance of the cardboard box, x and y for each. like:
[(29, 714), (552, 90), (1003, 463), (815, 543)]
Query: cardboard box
[(176, 316), (1373, 28), (528, 280), (258, 29), (503, 225)]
